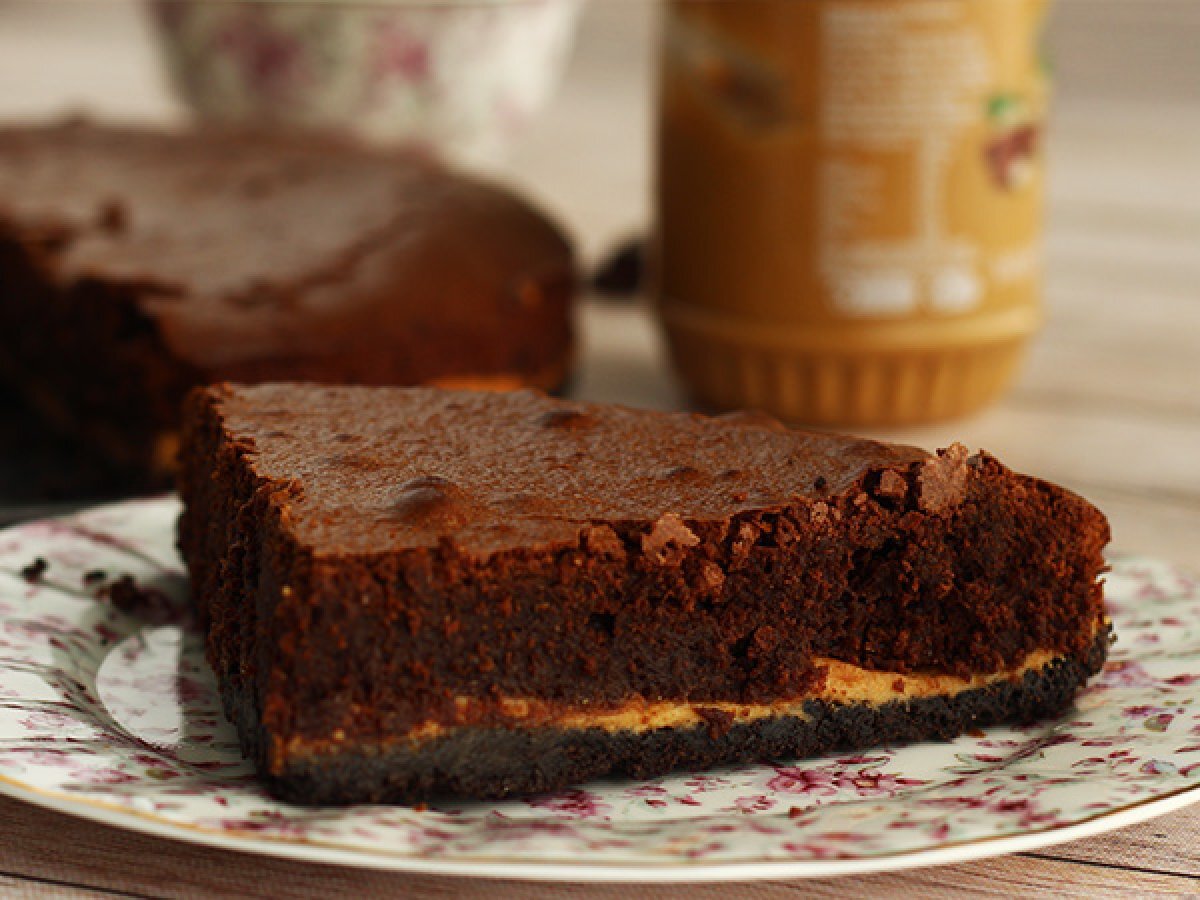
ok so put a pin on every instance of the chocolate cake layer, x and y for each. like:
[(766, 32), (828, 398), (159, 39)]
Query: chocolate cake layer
[(377, 567), (135, 264)]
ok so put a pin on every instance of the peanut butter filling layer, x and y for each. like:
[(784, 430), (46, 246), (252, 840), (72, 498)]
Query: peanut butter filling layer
[(843, 684)]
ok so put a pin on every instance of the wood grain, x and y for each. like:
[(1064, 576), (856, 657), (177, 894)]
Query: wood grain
[(22, 888), (1169, 845), (124, 863)]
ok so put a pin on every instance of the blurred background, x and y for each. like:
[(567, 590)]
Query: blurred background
[(1109, 399)]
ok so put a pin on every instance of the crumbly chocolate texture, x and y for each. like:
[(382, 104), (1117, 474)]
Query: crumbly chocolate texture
[(34, 571), (135, 264), (364, 558), (492, 764)]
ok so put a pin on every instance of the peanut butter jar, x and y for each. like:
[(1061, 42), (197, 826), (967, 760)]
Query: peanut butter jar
[(850, 203)]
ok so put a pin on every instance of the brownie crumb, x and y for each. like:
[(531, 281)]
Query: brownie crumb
[(712, 579), (820, 483), (95, 576), (149, 604), (603, 541), (624, 272), (35, 570), (942, 480), (113, 217), (892, 485), (668, 540)]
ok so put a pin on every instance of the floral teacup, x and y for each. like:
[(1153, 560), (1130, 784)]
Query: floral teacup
[(457, 77)]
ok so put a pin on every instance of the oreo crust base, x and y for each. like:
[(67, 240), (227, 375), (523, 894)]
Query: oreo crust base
[(493, 763)]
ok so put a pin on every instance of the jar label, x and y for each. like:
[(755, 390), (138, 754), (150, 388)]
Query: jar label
[(831, 160), (928, 160)]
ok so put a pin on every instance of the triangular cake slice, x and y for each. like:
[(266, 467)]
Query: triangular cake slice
[(412, 593)]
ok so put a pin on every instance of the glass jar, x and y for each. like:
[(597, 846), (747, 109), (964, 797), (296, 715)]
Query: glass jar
[(850, 203)]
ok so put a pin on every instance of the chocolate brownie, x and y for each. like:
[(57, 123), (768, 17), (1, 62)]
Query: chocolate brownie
[(415, 592), (135, 264)]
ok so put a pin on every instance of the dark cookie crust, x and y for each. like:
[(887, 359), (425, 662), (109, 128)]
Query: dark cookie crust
[(484, 763)]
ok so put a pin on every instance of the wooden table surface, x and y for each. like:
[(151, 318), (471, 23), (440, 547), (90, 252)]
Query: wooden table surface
[(1108, 404)]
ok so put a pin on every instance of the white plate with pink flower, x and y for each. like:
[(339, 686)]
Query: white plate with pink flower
[(108, 711)]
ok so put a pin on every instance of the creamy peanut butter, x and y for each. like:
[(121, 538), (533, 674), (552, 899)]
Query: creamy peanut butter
[(844, 684), (849, 198)]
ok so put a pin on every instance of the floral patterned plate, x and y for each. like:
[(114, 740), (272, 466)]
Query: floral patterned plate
[(108, 711)]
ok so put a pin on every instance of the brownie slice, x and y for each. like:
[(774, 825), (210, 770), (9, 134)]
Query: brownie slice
[(136, 264), (416, 592)]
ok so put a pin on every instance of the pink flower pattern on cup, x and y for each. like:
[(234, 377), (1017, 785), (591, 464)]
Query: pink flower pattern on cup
[(457, 78), (100, 708)]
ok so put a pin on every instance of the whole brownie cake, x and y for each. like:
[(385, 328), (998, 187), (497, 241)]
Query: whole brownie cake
[(415, 592), (136, 264)]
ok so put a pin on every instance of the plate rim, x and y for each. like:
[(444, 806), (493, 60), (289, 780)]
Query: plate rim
[(318, 853), (679, 871)]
